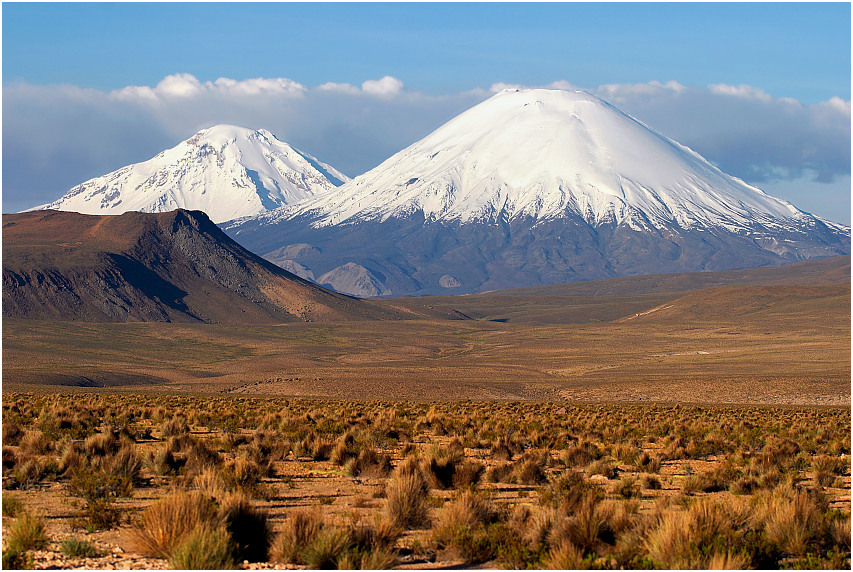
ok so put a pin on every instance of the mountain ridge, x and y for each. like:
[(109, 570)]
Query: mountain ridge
[(225, 170), (175, 266)]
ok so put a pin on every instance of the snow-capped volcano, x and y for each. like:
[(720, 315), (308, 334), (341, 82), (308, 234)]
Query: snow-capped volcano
[(546, 154), (225, 171), (538, 187)]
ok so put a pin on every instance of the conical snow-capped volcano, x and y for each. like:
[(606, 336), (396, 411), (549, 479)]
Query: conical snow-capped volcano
[(226, 171), (537, 187), (545, 154)]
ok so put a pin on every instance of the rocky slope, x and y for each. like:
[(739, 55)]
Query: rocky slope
[(175, 266)]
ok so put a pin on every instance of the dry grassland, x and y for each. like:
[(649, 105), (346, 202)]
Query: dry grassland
[(776, 359), (137, 481)]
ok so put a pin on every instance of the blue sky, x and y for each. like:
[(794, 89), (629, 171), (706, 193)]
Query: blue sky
[(762, 90), (790, 50)]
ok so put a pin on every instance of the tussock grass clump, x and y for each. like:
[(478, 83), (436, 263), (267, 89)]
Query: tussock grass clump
[(166, 523), (407, 499), (468, 474), (648, 463), (565, 556), (249, 527), (204, 548), (580, 455), (12, 433), (10, 457), (330, 545), (27, 532), (370, 559), (298, 531), (75, 547), (12, 505), (792, 520), (499, 473), (30, 471), (567, 491), (651, 483), (467, 511), (164, 462), (175, 427), (530, 468), (16, 559), (242, 474), (100, 444), (686, 539), (440, 467), (200, 457), (694, 483), (35, 442), (318, 448), (368, 463), (586, 528), (601, 467), (627, 487), (71, 459)]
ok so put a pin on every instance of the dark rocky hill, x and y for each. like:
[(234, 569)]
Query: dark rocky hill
[(168, 267)]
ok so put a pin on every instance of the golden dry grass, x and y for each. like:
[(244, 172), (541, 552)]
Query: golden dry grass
[(419, 515)]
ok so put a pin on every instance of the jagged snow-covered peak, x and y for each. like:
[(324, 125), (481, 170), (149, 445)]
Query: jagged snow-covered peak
[(546, 154), (225, 171)]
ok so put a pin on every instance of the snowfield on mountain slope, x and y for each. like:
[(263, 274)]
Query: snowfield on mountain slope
[(547, 153), (226, 171)]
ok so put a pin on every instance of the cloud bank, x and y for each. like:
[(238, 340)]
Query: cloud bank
[(55, 137)]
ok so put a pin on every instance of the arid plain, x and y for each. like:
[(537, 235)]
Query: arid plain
[(773, 335), (570, 426)]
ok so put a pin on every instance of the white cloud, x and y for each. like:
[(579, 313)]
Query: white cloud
[(256, 86), (385, 87), (178, 85), (619, 91), (839, 105), (500, 86), (68, 134), (186, 86), (746, 91), (564, 85), (339, 87)]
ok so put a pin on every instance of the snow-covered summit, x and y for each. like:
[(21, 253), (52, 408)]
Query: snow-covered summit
[(547, 154), (225, 171)]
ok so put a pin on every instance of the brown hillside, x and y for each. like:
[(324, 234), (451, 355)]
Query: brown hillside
[(162, 267), (617, 298)]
